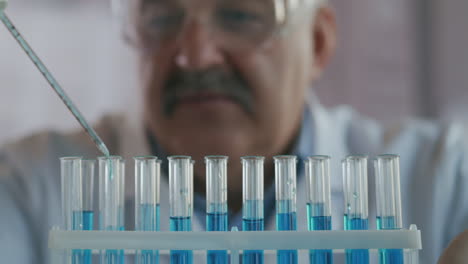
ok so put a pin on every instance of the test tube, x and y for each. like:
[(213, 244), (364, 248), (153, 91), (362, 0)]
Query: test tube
[(356, 203), (71, 200), (317, 171), (111, 202), (71, 196), (285, 183), (88, 172), (147, 184), (216, 203), (387, 180), (252, 209), (77, 200), (181, 202)]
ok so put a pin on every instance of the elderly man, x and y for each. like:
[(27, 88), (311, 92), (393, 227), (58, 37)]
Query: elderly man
[(233, 77)]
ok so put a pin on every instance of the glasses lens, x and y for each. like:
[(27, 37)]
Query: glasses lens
[(244, 23), (239, 23), (159, 19)]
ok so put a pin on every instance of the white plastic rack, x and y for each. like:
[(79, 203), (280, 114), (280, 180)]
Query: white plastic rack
[(235, 242)]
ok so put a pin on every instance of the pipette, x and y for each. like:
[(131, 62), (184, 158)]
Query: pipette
[(51, 80)]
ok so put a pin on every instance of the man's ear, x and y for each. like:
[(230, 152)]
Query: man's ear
[(324, 38)]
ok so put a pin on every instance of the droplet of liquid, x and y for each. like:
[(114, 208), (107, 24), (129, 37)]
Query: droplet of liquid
[(355, 195)]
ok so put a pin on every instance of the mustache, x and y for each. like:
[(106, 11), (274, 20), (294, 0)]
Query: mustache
[(214, 80)]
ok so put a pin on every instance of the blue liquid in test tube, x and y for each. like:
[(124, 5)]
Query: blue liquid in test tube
[(356, 203), (286, 222), (252, 221), (389, 256), (356, 256), (387, 175), (83, 220), (217, 222), (150, 215), (216, 203), (147, 185), (181, 224), (319, 256), (181, 202), (286, 208), (317, 171), (252, 210)]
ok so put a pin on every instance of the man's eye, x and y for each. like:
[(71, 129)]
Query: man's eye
[(165, 20), (237, 16)]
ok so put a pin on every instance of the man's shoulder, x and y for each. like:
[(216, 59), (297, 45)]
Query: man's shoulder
[(406, 133), (452, 134)]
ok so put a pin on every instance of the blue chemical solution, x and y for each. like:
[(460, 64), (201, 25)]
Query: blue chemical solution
[(217, 222), (285, 222), (82, 220), (253, 221), (389, 256), (181, 256), (113, 256), (319, 223), (356, 256), (252, 256), (149, 217)]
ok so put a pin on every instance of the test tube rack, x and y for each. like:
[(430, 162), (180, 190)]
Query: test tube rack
[(235, 242)]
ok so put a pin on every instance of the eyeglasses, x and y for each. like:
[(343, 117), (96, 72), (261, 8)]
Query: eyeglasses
[(236, 24)]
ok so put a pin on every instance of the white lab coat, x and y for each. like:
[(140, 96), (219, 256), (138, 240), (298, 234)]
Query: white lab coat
[(434, 177)]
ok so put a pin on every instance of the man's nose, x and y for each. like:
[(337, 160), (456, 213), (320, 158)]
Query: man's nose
[(198, 48)]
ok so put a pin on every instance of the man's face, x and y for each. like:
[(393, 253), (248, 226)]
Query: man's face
[(220, 78)]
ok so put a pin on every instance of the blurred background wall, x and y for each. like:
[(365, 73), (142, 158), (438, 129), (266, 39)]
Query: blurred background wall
[(399, 58)]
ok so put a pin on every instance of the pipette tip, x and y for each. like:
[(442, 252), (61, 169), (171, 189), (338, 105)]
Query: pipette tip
[(104, 149)]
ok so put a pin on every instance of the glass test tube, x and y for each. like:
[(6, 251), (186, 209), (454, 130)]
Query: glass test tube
[(216, 203), (88, 171), (356, 203), (252, 209), (387, 180), (71, 196), (71, 200), (285, 183), (111, 202), (147, 184), (77, 201), (317, 170), (181, 202)]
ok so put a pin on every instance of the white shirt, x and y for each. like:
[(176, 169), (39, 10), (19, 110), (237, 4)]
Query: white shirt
[(434, 177)]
